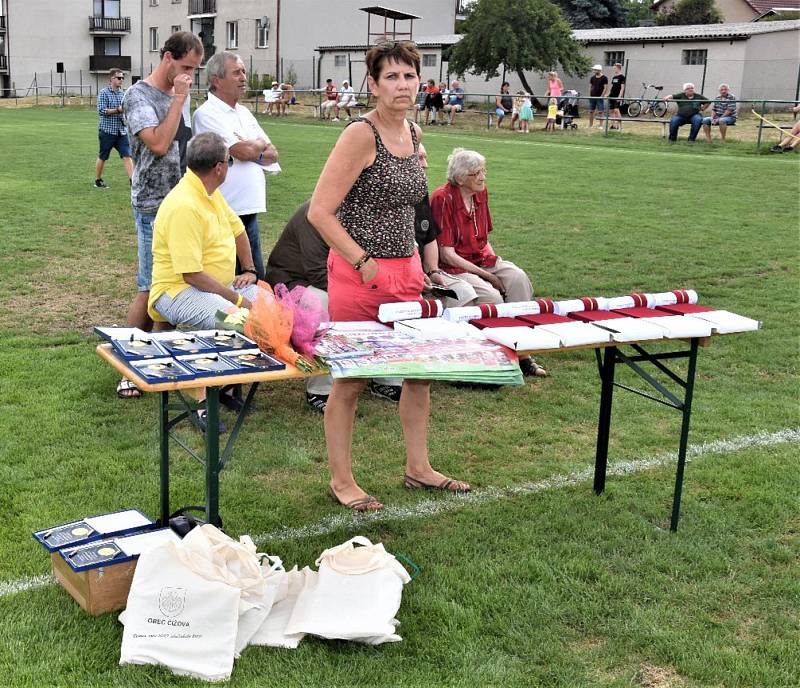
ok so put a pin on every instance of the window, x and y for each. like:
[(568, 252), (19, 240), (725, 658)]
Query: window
[(154, 39), (176, 2), (429, 60), (694, 57), (107, 45), (614, 56), (175, 28), (153, 3), (232, 32), (107, 8), (340, 60), (262, 33)]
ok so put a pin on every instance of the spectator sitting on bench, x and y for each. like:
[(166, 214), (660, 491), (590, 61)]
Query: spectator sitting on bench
[(455, 101), (272, 98), (791, 140), (504, 103), (331, 95), (723, 113), (690, 105), (347, 99), (433, 102)]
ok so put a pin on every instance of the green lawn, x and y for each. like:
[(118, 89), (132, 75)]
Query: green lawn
[(531, 581)]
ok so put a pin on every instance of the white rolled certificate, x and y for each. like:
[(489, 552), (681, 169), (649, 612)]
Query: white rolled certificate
[(668, 298), (409, 310), (630, 301), (499, 310), (586, 303)]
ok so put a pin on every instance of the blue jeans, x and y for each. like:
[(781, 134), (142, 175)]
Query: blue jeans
[(144, 241), (677, 121), (250, 223)]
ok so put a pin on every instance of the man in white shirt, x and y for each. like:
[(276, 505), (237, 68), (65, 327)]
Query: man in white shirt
[(347, 99), (249, 146)]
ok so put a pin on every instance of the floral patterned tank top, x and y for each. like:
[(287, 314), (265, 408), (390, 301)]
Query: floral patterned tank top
[(378, 211)]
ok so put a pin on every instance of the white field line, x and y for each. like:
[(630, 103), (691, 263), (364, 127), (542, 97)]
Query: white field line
[(348, 520)]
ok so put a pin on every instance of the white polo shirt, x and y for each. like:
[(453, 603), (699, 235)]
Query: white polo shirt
[(245, 187)]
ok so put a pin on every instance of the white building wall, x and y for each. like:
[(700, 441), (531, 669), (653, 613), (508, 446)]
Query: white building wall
[(40, 34)]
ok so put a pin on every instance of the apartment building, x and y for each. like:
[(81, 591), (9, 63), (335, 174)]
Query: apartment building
[(66, 45)]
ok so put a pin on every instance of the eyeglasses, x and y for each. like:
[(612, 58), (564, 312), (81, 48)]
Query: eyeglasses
[(478, 173), (228, 162)]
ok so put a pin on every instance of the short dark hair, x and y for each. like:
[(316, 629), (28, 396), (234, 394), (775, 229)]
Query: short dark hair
[(114, 71), (181, 43), (399, 51), (204, 151), (328, 81)]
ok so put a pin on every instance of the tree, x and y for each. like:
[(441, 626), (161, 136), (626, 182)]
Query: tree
[(636, 11), (517, 35), (593, 14), (690, 12)]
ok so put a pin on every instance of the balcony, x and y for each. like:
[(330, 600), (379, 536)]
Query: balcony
[(3, 63), (109, 25), (202, 8), (102, 63)]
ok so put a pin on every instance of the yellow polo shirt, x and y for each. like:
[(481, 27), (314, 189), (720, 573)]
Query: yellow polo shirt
[(193, 232)]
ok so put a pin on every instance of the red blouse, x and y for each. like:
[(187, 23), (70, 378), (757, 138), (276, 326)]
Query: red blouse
[(467, 233)]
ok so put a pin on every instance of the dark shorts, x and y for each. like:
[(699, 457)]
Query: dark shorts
[(597, 103), (614, 104), (109, 141)]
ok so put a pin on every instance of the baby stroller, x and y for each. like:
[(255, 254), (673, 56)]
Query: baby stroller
[(568, 110)]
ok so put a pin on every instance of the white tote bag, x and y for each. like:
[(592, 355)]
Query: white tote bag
[(272, 574), (179, 618), (355, 597), (288, 585)]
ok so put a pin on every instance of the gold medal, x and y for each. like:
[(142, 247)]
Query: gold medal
[(80, 531), (106, 551)]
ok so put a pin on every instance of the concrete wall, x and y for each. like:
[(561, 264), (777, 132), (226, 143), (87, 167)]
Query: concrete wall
[(772, 66), (42, 33)]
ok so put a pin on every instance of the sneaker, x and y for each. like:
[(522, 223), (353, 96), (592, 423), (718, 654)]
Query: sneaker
[(346, 119), (776, 149), (335, 119), (388, 392), (202, 422), (318, 402), (100, 184)]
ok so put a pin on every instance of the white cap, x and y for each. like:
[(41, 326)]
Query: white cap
[(598, 67)]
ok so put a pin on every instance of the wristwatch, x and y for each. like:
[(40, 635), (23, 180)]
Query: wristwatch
[(251, 270)]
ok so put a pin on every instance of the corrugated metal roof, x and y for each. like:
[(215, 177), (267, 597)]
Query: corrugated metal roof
[(692, 31)]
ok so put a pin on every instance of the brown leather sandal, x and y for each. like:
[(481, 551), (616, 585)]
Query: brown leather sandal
[(362, 504), (447, 485)]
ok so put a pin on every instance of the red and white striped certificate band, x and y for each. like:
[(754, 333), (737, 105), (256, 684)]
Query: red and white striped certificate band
[(668, 298), (585, 303), (638, 300), (499, 310), (409, 310)]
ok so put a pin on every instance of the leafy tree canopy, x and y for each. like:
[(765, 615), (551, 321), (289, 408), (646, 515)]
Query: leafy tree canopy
[(690, 12), (593, 14), (519, 35), (637, 10)]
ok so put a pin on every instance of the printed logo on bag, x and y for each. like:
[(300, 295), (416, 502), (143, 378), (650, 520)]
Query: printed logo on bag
[(171, 601)]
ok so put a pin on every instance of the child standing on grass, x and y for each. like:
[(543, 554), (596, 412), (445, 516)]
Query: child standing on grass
[(525, 112), (552, 113)]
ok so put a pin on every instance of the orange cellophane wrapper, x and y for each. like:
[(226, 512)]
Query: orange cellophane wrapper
[(270, 325)]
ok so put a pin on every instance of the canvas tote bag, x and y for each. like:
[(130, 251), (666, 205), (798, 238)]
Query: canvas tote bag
[(288, 586), (355, 597)]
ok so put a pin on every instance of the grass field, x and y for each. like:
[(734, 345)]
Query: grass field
[(530, 581)]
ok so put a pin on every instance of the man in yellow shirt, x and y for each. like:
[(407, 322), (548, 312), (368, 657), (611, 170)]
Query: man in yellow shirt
[(196, 240)]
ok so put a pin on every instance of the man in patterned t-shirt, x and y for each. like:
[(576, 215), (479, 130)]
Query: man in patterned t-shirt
[(112, 132), (157, 113)]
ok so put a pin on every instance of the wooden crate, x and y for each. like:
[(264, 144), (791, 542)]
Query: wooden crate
[(100, 590)]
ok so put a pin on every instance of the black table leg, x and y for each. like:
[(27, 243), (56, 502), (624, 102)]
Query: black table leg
[(212, 455), (687, 414), (163, 439), (604, 424)]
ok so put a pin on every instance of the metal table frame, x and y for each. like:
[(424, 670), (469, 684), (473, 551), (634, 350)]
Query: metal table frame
[(214, 461)]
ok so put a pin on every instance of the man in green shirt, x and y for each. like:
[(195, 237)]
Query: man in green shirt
[(690, 105)]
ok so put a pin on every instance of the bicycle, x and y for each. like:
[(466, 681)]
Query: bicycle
[(656, 107)]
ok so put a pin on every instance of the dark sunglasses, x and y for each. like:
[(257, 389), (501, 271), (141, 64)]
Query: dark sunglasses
[(229, 161)]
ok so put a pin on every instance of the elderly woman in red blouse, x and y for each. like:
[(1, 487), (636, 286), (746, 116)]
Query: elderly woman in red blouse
[(461, 209)]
